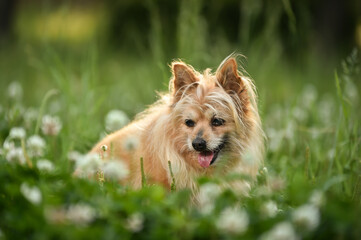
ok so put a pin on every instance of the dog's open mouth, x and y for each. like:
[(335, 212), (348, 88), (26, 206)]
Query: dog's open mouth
[(207, 158)]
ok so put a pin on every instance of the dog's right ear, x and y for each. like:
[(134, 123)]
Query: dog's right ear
[(184, 78)]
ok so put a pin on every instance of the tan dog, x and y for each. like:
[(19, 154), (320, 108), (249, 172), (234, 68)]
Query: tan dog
[(208, 124)]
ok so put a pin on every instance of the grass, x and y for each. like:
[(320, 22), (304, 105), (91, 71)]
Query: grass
[(313, 145), (310, 116)]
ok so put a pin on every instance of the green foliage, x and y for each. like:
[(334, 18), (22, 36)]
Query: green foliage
[(309, 187), (312, 162)]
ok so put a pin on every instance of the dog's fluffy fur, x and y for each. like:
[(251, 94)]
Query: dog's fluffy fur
[(168, 129)]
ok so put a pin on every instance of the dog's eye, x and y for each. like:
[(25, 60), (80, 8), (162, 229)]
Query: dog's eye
[(190, 123), (217, 122)]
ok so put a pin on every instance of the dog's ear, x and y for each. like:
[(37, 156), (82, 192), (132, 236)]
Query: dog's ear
[(183, 78), (228, 77)]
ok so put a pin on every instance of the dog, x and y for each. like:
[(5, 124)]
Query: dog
[(208, 124)]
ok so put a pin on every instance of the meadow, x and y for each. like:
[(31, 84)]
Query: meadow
[(58, 99)]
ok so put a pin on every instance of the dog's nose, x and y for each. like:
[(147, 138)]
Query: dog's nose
[(199, 144)]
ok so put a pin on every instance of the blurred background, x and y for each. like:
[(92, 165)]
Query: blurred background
[(109, 54)]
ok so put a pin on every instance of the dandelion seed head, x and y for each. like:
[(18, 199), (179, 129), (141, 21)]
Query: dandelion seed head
[(290, 129), (45, 165), (208, 193), (317, 198), (16, 155), (326, 109), (115, 120), (15, 90), (306, 217), (233, 221), (351, 92), (80, 214), (134, 223), (115, 170), (309, 95), (300, 114), (51, 125), (32, 194), (17, 133), (88, 164), (74, 156), (269, 209), (275, 139), (36, 146), (8, 145), (30, 116), (282, 231)]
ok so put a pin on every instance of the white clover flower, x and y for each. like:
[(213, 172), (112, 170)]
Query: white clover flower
[(275, 139), (233, 221), (32, 194), (317, 198), (208, 193), (269, 209), (282, 231), (308, 95), (351, 92), (15, 90), (80, 214), (135, 222), (290, 129), (17, 133), (115, 170), (16, 155), (88, 164), (306, 217), (30, 116), (299, 113), (326, 109), (45, 165), (115, 120), (8, 145), (36, 146), (74, 156), (131, 143), (51, 125)]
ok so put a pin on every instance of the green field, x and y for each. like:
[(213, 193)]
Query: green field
[(308, 188)]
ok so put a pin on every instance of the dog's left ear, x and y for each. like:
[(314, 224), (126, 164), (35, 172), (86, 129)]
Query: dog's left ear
[(228, 77), (183, 79)]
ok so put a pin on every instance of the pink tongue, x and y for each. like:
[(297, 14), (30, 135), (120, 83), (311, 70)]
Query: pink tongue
[(205, 159)]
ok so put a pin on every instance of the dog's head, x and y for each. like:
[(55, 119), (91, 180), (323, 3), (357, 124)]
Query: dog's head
[(213, 114)]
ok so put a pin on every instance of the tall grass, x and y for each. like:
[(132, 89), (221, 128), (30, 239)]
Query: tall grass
[(310, 115)]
